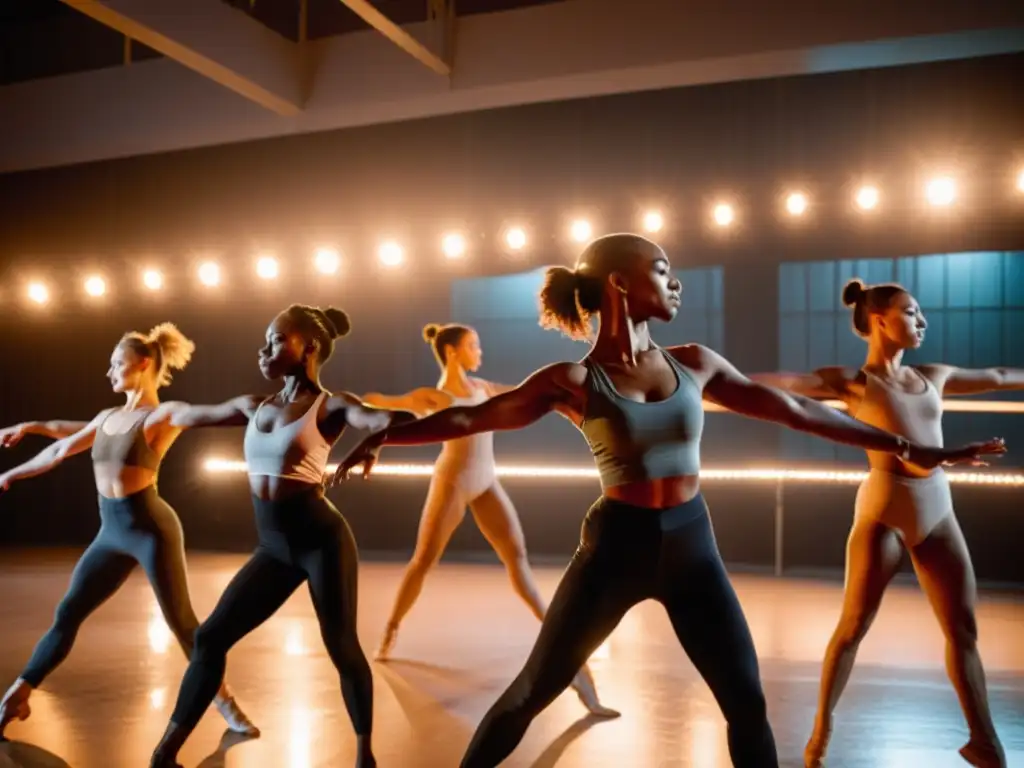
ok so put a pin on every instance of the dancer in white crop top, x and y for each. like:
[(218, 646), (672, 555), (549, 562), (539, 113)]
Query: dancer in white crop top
[(901, 504), (464, 475), (302, 536)]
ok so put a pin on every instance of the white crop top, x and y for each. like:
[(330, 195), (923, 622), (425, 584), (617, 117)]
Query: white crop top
[(296, 451)]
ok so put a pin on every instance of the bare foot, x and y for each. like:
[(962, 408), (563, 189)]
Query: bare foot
[(387, 642), (14, 705), (584, 686), (233, 715), (983, 753)]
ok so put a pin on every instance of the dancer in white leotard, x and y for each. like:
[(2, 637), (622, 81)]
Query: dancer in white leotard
[(465, 475), (902, 505)]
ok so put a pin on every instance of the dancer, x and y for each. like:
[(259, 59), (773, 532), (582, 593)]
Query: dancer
[(137, 527), (649, 535), (903, 501), (465, 474), (302, 536)]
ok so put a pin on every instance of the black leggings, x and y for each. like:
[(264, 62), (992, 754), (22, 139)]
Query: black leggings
[(301, 538), (626, 555), (140, 529)]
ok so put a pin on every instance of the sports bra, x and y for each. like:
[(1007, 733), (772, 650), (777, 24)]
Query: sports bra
[(634, 442), (126, 449), (296, 451)]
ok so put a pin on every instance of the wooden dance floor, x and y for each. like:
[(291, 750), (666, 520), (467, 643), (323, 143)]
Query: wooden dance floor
[(465, 639)]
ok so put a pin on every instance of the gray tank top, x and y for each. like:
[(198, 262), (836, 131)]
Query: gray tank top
[(634, 442)]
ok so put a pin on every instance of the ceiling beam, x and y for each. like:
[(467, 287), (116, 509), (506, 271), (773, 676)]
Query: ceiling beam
[(214, 40), (365, 10)]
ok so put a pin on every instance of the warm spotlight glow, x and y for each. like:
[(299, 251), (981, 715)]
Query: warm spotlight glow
[(732, 475), (159, 634), (152, 279), (796, 204), (867, 198), (38, 293), (653, 221), (209, 274), (1020, 181), (723, 214), (326, 261), (940, 191), (390, 254), (581, 231), (157, 698), (267, 268), (604, 651), (95, 286), (293, 645), (453, 245), (515, 239)]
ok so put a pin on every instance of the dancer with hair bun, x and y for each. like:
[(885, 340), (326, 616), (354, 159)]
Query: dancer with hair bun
[(137, 527), (465, 475), (649, 536), (903, 503), (302, 536)]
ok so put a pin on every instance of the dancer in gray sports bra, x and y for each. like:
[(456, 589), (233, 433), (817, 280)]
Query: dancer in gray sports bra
[(137, 527), (649, 535), (465, 475), (902, 504)]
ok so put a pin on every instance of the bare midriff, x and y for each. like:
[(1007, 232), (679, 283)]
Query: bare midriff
[(663, 493)]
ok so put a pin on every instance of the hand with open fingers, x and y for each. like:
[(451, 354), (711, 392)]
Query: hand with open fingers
[(364, 454), (973, 454), (11, 436)]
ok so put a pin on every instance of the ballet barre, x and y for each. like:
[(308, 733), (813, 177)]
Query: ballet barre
[(780, 477)]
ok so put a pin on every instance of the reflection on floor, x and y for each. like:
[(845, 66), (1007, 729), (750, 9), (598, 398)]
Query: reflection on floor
[(464, 641)]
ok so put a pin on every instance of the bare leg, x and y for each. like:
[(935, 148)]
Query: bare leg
[(444, 509), (944, 568), (873, 554), (497, 519)]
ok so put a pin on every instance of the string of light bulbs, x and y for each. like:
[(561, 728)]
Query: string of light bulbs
[(938, 192)]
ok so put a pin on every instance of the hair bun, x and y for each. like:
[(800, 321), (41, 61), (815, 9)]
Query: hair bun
[(338, 322), (853, 292), (430, 332)]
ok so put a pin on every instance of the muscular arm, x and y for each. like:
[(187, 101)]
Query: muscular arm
[(541, 393), (974, 381), (57, 452), (735, 392), (231, 413)]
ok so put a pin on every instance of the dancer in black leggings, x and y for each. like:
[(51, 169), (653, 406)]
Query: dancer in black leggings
[(649, 535), (302, 536), (137, 526)]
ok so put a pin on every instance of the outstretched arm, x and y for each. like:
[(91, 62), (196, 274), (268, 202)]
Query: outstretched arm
[(420, 401), (232, 413), (54, 454), (824, 383), (735, 392), (547, 390), (974, 381), (515, 409), (56, 429)]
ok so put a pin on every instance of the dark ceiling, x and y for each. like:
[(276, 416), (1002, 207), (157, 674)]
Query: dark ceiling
[(46, 38)]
